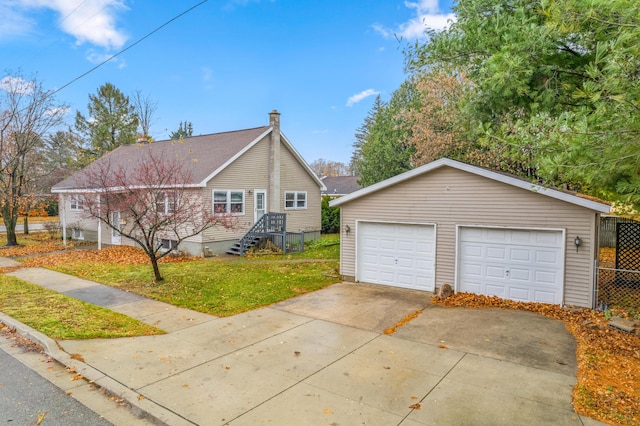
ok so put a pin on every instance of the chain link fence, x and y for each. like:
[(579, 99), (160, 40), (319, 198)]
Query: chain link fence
[(619, 288), (618, 272)]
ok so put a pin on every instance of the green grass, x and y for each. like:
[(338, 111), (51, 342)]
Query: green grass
[(212, 286), (225, 286), (62, 317)]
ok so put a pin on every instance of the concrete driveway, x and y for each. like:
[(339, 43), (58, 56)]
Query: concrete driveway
[(322, 359)]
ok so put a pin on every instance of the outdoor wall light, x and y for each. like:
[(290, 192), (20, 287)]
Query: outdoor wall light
[(347, 229), (578, 243)]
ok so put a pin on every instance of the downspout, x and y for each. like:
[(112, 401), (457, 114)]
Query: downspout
[(63, 198), (99, 226)]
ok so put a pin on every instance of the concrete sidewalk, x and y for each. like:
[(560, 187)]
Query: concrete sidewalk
[(321, 358)]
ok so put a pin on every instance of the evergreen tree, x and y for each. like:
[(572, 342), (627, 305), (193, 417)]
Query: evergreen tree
[(112, 122)]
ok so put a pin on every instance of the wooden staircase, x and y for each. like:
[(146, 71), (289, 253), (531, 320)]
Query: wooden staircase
[(270, 224)]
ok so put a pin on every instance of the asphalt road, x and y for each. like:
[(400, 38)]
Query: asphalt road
[(20, 227), (26, 397)]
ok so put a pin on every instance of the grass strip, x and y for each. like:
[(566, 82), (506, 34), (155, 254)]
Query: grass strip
[(63, 317)]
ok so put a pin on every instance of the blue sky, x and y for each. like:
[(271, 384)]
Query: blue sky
[(226, 64)]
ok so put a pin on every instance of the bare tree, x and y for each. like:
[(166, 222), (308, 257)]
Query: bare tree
[(322, 167), (155, 201), (27, 114), (144, 107)]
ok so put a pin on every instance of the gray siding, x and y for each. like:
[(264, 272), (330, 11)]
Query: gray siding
[(450, 197)]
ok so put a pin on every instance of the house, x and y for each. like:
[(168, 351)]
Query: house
[(248, 173), (478, 230), (337, 186)]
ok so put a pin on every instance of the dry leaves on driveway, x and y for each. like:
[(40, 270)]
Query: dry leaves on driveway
[(608, 387)]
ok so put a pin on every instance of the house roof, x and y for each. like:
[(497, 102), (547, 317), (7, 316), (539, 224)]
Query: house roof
[(207, 155), (508, 179), (340, 185)]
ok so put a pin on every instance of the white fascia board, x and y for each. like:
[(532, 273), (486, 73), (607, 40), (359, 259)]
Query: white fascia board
[(120, 188), (203, 183), (509, 180)]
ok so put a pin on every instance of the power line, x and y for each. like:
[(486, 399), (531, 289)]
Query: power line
[(149, 34)]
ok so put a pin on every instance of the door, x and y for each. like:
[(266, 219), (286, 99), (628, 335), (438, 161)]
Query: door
[(517, 264), (260, 203), (396, 254), (116, 238)]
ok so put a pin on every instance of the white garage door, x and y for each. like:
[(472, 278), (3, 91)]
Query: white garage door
[(396, 254), (522, 265)]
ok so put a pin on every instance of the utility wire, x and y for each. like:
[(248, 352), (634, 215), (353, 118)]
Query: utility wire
[(149, 34)]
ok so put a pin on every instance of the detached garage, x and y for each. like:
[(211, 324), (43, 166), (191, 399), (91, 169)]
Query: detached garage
[(480, 231)]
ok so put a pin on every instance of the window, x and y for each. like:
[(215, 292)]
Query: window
[(168, 244), (228, 202), (77, 234), (76, 202), (166, 202), (295, 200)]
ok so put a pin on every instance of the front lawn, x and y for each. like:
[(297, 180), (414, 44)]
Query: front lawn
[(220, 286)]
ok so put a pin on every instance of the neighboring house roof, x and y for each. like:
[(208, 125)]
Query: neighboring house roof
[(207, 155), (573, 198), (340, 185)]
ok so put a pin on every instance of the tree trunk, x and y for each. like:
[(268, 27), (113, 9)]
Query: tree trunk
[(26, 225), (156, 269), (10, 223)]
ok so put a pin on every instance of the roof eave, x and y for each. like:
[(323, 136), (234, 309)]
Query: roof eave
[(569, 198)]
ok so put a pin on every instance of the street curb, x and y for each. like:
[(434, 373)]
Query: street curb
[(140, 406)]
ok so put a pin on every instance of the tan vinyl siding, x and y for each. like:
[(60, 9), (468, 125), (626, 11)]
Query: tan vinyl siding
[(450, 197), (249, 171), (293, 177)]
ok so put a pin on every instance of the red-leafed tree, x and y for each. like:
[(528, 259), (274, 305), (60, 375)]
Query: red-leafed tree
[(149, 201)]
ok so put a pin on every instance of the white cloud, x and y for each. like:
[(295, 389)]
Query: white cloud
[(58, 111), (427, 15), (91, 21), (360, 96), (16, 85), (12, 22), (98, 58)]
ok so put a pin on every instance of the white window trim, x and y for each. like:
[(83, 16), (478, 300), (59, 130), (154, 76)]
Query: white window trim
[(228, 202), (77, 234), (295, 200), (166, 204), (76, 202)]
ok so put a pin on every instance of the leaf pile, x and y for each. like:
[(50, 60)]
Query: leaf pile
[(608, 387), (26, 250), (123, 255)]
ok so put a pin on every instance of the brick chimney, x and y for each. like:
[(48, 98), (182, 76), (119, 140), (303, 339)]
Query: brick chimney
[(274, 163)]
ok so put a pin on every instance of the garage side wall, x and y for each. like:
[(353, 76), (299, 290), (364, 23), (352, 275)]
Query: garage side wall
[(448, 197)]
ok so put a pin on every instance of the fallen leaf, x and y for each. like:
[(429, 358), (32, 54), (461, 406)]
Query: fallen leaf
[(77, 377), (296, 353), (186, 385), (140, 397), (443, 347), (415, 406), (77, 357), (41, 417), (327, 411)]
